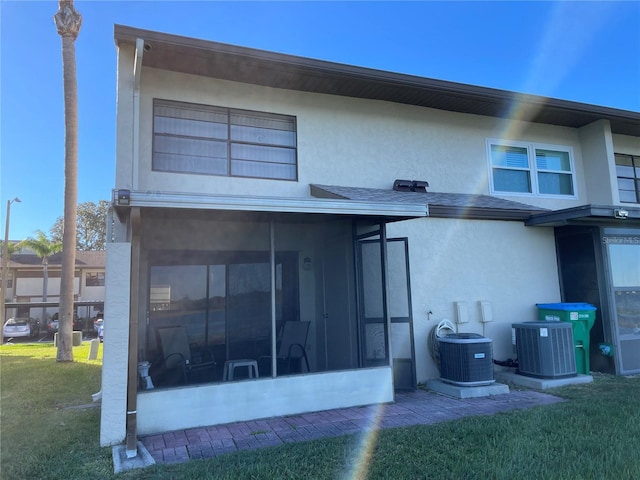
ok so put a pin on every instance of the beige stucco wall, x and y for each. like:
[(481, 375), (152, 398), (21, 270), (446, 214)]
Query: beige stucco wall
[(599, 174), (340, 138), (32, 287), (262, 398), (511, 266), (626, 144)]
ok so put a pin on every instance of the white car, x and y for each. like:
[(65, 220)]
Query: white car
[(21, 327)]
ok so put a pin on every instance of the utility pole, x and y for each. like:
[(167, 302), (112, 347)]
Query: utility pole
[(5, 267)]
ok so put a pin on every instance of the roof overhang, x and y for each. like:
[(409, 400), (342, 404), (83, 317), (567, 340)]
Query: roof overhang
[(390, 211), (76, 303), (605, 215), (440, 205), (259, 67)]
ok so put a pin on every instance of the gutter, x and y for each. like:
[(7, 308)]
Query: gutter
[(599, 214)]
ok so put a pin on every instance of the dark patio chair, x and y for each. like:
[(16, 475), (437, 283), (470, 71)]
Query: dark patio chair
[(292, 346), (177, 353)]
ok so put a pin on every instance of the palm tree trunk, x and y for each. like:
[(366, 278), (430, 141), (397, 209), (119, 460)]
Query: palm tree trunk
[(68, 23), (45, 285)]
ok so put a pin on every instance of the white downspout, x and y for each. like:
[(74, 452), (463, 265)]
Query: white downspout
[(137, 72)]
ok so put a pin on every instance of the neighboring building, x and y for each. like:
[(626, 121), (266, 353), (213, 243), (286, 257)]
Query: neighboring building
[(25, 283), (254, 189)]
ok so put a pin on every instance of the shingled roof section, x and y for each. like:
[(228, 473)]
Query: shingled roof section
[(440, 205), (83, 259)]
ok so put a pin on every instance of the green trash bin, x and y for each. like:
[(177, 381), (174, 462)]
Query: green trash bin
[(581, 316)]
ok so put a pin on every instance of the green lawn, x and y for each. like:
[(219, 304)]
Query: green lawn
[(48, 431)]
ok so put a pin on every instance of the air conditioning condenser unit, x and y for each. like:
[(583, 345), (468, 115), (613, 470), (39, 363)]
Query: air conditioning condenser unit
[(466, 359), (545, 349)]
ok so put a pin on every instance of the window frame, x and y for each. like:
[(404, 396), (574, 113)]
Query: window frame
[(231, 143), (533, 170), (99, 279), (635, 168)]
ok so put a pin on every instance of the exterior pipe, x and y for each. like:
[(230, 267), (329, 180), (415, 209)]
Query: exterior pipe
[(137, 72)]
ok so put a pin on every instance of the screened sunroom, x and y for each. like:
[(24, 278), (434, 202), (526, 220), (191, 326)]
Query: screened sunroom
[(247, 314)]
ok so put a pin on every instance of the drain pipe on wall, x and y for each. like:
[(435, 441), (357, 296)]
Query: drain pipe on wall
[(137, 73), (134, 219)]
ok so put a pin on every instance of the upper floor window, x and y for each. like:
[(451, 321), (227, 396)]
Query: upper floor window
[(628, 172), (190, 138), (523, 168), (95, 279)]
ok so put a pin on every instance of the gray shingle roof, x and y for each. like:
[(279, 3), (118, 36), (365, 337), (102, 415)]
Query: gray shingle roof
[(443, 205), (83, 259)]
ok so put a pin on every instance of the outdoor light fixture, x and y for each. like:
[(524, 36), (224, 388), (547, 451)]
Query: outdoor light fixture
[(306, 264), (123, 197), (620, 213)]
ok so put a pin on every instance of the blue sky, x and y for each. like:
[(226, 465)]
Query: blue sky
[(582, 51)]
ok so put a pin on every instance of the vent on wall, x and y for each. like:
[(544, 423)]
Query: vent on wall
[(545, 349), (410, 186), (466, 359)]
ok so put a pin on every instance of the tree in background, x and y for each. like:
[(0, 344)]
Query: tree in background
[(43, 247), (12, 247), (91, 226), (68, 22)]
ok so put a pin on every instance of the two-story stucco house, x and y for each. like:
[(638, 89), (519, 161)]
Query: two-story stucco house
[(28, 296), (267, 205)]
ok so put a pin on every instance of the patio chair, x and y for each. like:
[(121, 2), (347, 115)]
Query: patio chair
[(291, 346), (177, 353)]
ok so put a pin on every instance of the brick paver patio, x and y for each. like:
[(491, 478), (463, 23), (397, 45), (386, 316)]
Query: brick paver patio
[(410, 408)]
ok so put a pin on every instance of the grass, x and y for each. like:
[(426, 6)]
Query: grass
[(48, 433)]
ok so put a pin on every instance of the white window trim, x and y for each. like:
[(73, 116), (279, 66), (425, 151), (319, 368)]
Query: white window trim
[(533, 169)]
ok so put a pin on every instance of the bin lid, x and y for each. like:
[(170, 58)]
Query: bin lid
[(566, 306)]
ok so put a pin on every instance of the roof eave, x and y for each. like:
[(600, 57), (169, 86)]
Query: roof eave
[(592, 214), (205, 58), (275, 205), (479, 213)]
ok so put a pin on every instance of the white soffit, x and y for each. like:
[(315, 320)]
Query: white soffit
[(273, 204)]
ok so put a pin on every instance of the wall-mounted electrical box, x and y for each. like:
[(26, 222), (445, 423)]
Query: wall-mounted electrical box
[(486, 312), (462, 314)]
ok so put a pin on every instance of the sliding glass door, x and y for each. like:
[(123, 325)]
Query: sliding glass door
[(222, 300)]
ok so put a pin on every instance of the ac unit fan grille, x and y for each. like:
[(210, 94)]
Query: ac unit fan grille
[(466, 362), (545, 349)]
